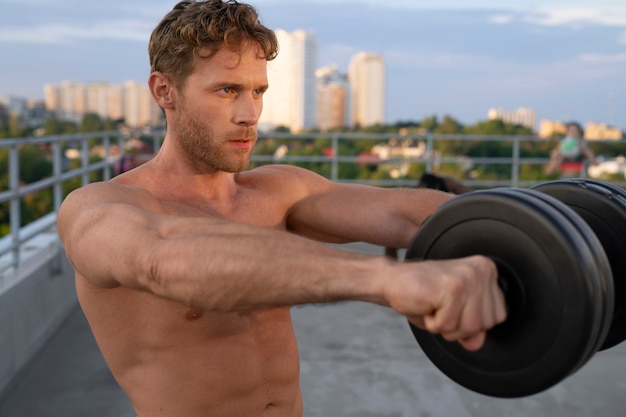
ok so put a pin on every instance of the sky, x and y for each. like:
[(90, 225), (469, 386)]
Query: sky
[(565, 59)]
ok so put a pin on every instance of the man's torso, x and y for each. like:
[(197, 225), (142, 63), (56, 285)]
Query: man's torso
[(173, 360)]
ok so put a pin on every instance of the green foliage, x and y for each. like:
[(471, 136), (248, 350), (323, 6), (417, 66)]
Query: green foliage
[(54, 126), (430, 124), (34, 165), (449, 126), (91, 123)]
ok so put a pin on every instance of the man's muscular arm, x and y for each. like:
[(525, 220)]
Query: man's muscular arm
[(115, 236), (337, 212)]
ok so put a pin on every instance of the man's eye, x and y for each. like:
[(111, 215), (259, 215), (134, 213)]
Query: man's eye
[(227, 90)]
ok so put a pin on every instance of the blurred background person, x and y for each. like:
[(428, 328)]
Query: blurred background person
[(571, 156), (442, 183)]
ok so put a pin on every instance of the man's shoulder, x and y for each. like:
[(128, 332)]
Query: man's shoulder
[(108, 190), (285, 182), (104, 193), (289, 173)]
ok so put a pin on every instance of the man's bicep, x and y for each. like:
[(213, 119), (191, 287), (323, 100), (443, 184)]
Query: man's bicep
[(340, 213), (384, 216)]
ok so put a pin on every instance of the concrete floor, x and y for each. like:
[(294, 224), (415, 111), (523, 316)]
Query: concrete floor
[(358, 360)]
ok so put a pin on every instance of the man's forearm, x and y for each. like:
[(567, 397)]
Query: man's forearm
[(236, 267)]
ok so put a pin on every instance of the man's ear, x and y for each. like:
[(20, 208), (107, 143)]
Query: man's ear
[(162, 90)]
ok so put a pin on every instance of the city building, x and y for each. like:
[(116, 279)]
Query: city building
[(140, 109), (366, 74), (592, 130), (333, 95), (291, 98), (596, 130), (30, 113), (131, 101), (522, 116), (551, 128)]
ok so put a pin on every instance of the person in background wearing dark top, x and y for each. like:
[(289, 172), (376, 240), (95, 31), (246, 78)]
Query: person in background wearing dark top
[(435, 182), (125, 163), (442, 183), (187, 266), (572, 155)]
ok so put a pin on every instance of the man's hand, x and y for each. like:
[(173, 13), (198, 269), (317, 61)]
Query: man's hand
[(457, 298)]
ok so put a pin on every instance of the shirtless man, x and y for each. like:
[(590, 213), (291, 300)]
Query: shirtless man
[(186, 267)]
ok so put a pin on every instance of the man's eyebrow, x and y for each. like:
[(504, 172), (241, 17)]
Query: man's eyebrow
[(239, 86)]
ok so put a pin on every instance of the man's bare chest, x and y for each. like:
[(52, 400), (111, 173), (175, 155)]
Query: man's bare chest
[(268, 209)]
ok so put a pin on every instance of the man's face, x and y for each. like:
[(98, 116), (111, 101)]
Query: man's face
[(218, 110)]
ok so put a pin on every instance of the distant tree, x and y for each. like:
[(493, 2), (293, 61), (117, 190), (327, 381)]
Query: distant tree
[(497, 127), (378, 128), (15, 128), (406, 124), (91, 123), (449, 126), (110, 124), (430, 123), (54, 126), (34, 166), (282, 129), (4, 119)]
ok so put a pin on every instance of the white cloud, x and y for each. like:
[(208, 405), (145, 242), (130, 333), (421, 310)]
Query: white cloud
[(577, 16), (441, 61), (603, 58), (501, 19), (129, 30)]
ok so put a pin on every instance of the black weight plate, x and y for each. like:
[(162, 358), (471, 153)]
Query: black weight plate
[(551, 307), (600, 281), (603, 207)]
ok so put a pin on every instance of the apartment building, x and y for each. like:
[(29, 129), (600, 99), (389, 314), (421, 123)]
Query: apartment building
[(130, 101), (291, 99), (522, 116), (333, 98), (366, 74)]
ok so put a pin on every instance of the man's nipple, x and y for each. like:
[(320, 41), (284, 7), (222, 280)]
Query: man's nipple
[(193, 314)]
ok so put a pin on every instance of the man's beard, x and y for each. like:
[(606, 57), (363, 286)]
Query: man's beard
[(204, 148)]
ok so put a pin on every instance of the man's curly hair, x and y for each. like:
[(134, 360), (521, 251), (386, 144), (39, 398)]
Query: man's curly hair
[(194, 30)]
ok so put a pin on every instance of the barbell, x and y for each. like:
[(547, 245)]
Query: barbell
[(560, 251)]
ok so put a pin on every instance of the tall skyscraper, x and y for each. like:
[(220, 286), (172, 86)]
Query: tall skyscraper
[(333, 98), (290, 100), (367, 81)]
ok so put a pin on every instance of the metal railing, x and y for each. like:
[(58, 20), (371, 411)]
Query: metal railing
[(430, 158), (95, 153)]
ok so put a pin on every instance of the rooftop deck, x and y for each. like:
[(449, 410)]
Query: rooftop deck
[(358, 360)]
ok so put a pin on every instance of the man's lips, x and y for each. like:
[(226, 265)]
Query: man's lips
[(242, 143)]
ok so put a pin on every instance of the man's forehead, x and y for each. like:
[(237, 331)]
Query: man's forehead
[(232, 52)]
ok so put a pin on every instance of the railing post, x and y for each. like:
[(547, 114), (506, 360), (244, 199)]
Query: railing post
[(57, 167), (334, 174), (515, 164), (85, 159), (106, 143), (429, 153), (15, 217)]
